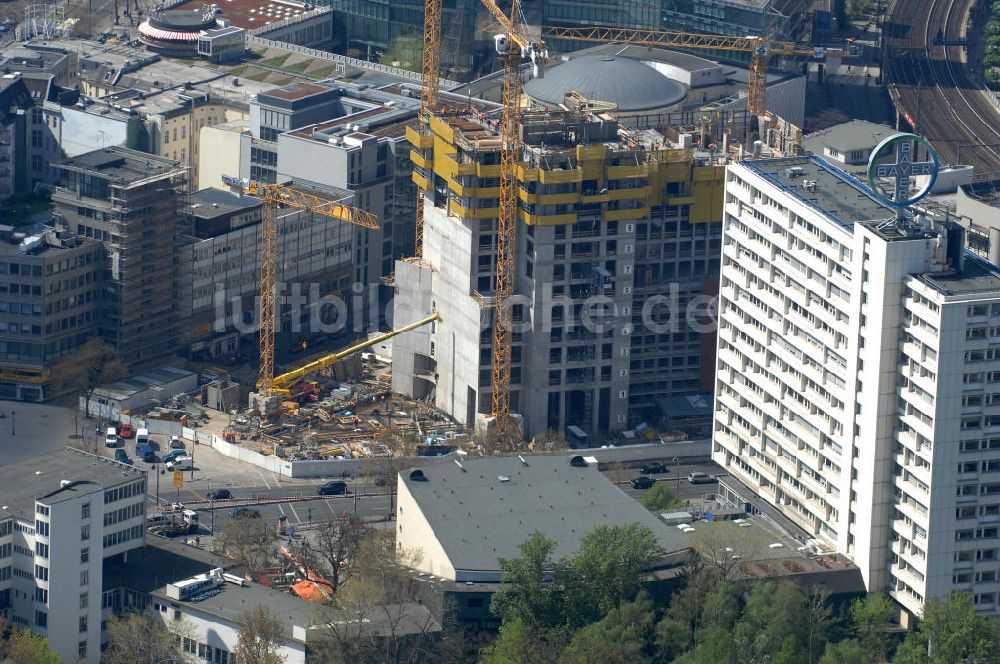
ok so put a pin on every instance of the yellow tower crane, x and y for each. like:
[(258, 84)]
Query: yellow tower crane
[(513, 45), (760, 49), (274, 195), (430, 74)]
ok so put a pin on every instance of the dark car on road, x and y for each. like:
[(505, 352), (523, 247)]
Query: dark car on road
[(241, 512), (642, 482), (122, 457), (653, 468), (220, 494), (332, 489)]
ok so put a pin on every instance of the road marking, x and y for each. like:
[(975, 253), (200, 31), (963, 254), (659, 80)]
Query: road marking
[(264, 479), (277, 479), (281, 510), (294, 513), (333, 511)]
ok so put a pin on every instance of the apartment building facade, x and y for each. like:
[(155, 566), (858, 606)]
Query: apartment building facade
[(51, 283), (58, 527), (853, 385), (129, 202), (617, 237)]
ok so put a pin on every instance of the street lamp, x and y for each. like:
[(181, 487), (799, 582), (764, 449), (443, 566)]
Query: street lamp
[(12, 432), (677, 474)]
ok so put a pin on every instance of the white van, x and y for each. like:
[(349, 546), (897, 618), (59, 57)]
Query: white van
[(181, 463), (111, 437), (141, 436)]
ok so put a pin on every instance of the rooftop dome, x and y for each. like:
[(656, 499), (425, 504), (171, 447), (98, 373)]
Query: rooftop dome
[(629, 83)]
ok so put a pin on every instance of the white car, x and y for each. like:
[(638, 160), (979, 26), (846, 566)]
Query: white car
[(181, 463)]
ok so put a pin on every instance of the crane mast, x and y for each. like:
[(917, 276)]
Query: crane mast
[(273, 195)]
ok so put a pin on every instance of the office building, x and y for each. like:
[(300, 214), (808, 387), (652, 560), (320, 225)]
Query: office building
[(772, 19), (856, 366), (617, 236), (63, 517), (219, 266), (129, 202), (51, 282)]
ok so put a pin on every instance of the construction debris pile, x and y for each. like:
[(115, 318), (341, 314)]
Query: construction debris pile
[(349, 419)]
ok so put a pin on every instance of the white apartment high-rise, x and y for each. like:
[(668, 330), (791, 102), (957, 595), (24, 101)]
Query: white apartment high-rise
[(61, 517), (858, 378)]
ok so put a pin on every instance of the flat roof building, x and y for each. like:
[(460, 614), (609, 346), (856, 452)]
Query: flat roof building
[(854, 377), (464, 518), (63, 516)]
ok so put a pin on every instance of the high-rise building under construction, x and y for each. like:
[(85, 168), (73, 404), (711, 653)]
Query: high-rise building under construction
[(618, 236)]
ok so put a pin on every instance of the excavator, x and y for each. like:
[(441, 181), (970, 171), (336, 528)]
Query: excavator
[(293, 384)]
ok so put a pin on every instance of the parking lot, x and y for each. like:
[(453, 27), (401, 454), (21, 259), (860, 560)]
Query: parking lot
[(676, 477)]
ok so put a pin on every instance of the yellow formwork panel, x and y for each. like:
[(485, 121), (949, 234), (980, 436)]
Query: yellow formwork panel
[(472, 213), (591, 152), (474, 192), (625, 215), (419, 139), (420, 180), (619, 172), (560, 177), (420, 160), (443, 129), (548, 219), (488, 171), (525, 174)]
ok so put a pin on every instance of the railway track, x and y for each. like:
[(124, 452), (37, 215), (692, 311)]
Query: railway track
[(930, 82)]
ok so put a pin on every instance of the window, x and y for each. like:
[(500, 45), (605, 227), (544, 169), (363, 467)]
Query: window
[(81, 649), (85, 577), (85, 554), (41, 595), (84, 600), (41, 619), (85, 511), (41, 572), (84, 533), (83, 623)]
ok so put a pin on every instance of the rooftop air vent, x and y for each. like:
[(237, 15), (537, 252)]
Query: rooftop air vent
[(578, 461), (417, 476)]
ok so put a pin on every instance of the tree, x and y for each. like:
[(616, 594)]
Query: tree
[(608, 570), (774, 614), (848, 651), (95, 363), (334, 547), (660, 497), (725, 552), (716, 648), (22, 647), (950, 632), (246, 542), (523, 644), (377, 615), (139, 638), (260, 638), (526, 594), (625, 634), (872, 617)]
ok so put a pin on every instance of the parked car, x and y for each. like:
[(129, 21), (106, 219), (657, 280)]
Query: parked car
[(127, 431), (173, 454), (176, 443), (122, 457), (701, 478), (220, 494), (332, 489), (240, 512), (111, 437), (181, 463), (653, 468), (642, 482)]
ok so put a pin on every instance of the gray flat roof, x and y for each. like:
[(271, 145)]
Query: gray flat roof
[(143, 381), (234, 601), (121, 164), (848, 136), (977, 276), (478, 517), (836, 194), (211, 203), (29, 480)]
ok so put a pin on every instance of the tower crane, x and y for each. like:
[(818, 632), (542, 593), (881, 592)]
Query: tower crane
[(760, 49), (430, 73), (272, 196), (512, 45)]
